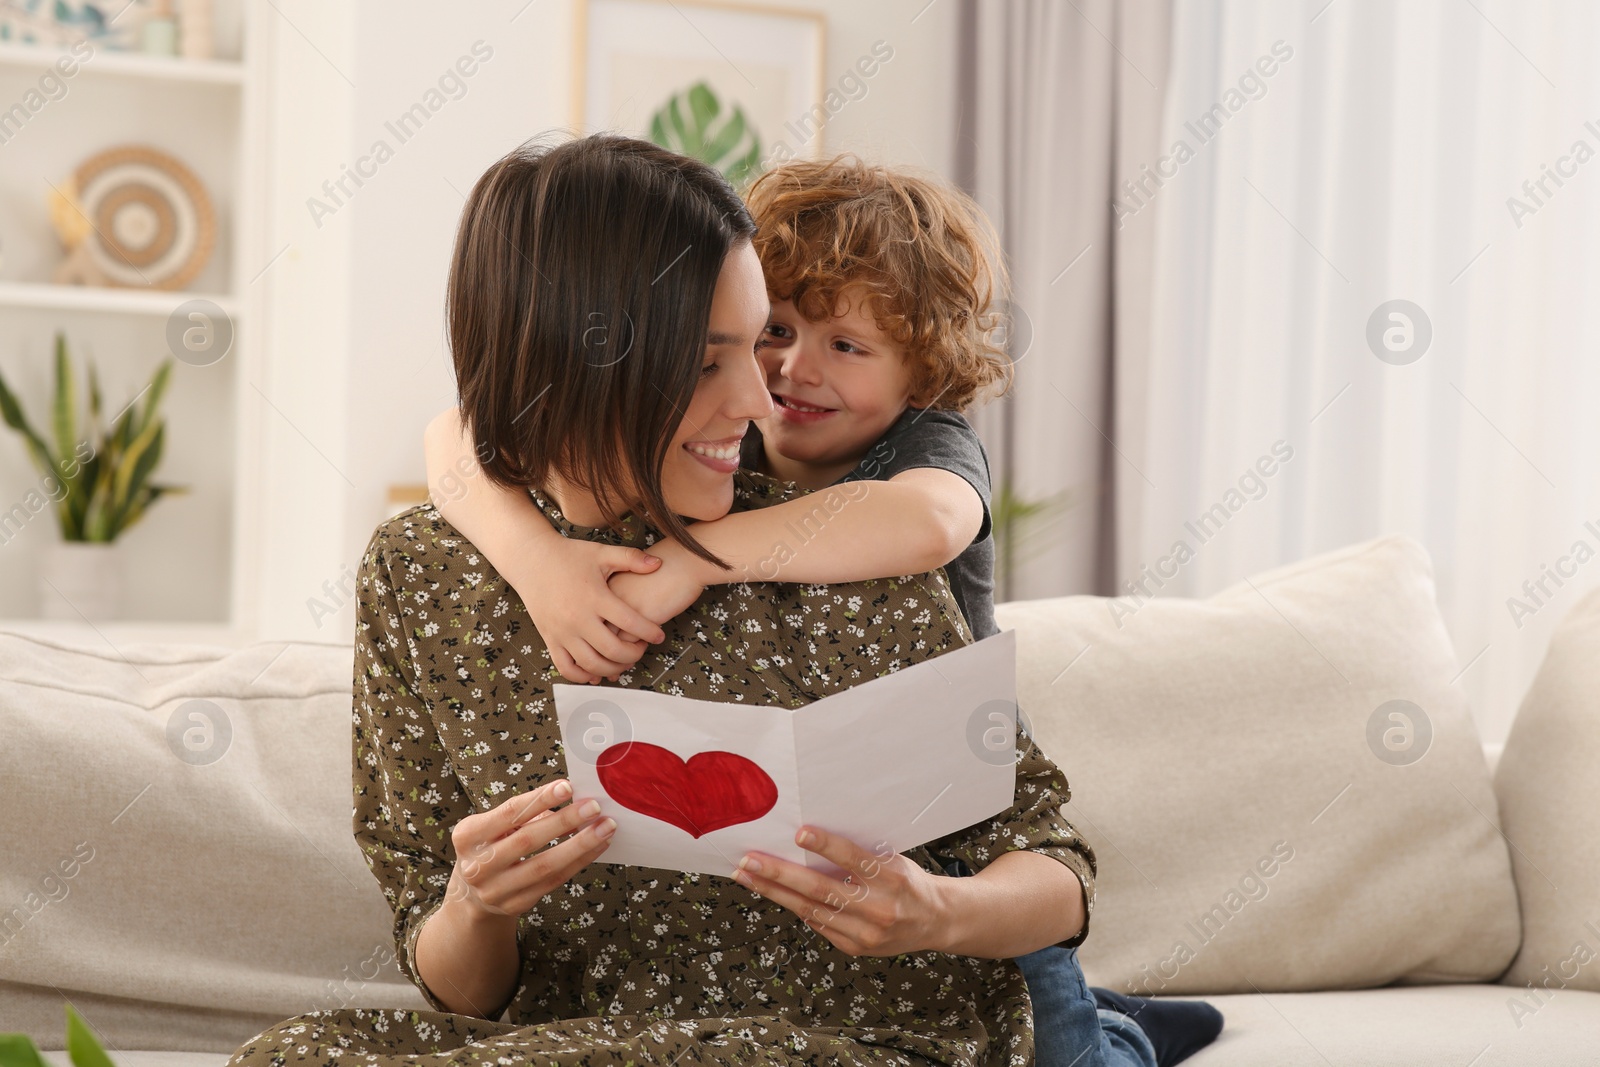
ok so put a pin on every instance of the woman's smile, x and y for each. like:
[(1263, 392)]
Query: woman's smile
[(721, 456)]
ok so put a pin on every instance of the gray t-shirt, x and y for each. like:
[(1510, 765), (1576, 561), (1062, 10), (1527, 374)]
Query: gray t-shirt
[(929, 438)]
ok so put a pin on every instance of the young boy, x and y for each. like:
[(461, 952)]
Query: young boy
[(883, 287)]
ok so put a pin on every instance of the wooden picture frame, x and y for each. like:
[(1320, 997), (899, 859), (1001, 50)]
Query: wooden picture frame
[(633, 58)]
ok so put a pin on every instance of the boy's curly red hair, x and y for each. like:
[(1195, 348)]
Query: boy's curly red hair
[(922, 255)]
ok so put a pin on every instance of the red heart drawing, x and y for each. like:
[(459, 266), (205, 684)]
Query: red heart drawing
[(710, 791)]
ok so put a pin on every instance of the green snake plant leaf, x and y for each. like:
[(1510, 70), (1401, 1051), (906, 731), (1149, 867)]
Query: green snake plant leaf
[(77, 500), (64, 414), (98, 494), (147, 495), (97, 523), (94, 402), (133, 469), (123, 429), (99, 503), (695, 123), (18, 1050), (83, 1048), (11, 411), (69, 441), (158, 387)]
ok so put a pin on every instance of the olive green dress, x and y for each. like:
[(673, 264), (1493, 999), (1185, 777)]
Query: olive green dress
[(454, 714)]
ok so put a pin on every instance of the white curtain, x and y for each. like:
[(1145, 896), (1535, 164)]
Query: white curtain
[(1057, 100), (1382, 159)]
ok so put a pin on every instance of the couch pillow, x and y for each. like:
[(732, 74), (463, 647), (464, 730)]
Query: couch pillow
[(1548, 781), (1283, 787), (179, 857)]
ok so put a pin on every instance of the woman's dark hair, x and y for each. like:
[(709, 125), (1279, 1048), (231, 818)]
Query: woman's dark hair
[(578, 304)]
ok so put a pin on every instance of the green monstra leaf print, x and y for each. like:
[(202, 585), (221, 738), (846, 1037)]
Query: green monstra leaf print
[(694, 123)]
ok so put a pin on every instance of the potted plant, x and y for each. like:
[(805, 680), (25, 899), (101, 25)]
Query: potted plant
[(97, 478), (83, 1048), (1018, 526)]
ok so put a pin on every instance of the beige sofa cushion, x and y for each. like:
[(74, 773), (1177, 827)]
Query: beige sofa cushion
[(1435, 1026), (184, 872), (1259, 809), (1548, 781)]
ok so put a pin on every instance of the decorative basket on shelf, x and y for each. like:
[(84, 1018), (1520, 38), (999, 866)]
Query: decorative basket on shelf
[(132, 216)]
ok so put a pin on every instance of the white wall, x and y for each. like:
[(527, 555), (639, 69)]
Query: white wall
[(303, 283), (355, 337)]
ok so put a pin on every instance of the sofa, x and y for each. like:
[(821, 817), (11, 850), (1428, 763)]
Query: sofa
[(1294, 817)]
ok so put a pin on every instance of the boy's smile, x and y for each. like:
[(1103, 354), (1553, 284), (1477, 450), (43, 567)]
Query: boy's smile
[(837, 386), (793, 410)]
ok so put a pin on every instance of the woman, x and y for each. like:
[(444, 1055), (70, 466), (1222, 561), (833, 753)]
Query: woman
[(604, 306)]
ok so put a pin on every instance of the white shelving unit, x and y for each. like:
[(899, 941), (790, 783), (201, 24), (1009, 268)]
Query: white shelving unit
[(128, 65), (181, 564), (93, 298)]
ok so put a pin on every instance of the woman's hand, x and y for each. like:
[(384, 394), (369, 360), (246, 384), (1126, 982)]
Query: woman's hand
[(503, 865), (888, 905)]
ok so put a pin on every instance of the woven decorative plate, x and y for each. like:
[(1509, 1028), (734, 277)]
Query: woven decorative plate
[(153, 222)]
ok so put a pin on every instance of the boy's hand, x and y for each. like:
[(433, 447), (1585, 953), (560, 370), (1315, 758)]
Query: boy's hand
[(590, 631), (669, 590)]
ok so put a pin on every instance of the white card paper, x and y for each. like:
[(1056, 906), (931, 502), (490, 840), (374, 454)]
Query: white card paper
[(892, 763)]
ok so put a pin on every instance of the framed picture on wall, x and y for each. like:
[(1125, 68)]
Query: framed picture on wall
[(737, 86)]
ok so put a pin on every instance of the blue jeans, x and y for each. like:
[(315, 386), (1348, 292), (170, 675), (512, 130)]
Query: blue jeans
[(1069, 1029)]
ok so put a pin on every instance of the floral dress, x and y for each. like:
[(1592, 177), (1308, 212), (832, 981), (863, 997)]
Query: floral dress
[(454, 714)]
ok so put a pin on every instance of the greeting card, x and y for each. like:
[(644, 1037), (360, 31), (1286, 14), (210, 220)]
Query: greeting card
[(892, 763)]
